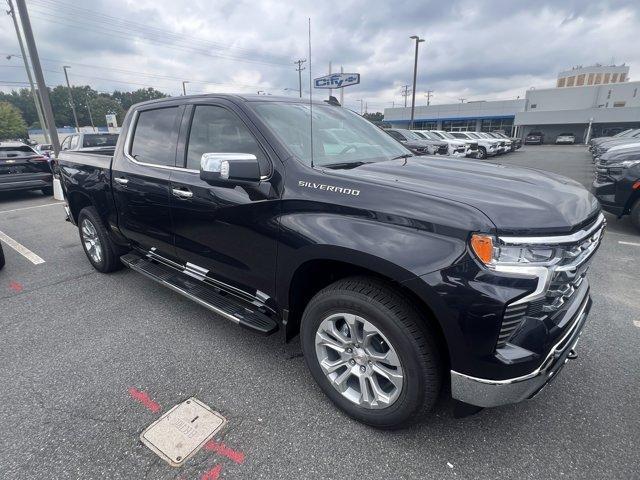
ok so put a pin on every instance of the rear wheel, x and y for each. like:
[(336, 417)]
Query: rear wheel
[(371, 353), (482, 153), (635, 214), (101, 251), (1, 257)]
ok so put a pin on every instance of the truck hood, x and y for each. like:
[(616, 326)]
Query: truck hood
[(517, 200)]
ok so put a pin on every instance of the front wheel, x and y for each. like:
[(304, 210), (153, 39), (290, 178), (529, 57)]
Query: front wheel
[(1, 257), (482, 153), (371, 352)]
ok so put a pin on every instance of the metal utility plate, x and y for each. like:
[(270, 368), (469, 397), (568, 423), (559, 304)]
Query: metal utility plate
[(182, 431)]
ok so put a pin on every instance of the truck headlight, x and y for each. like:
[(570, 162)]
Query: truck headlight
[(625, 164), (493, 255)]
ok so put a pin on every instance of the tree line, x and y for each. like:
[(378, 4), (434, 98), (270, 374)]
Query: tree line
[(84, 98)]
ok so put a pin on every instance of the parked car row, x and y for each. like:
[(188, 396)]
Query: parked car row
[(617, 179), (455, 144), (598, 146)]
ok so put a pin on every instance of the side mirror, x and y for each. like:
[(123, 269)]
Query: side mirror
[(229, 168)]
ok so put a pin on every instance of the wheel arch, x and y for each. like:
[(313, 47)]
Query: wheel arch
[(314, 274)]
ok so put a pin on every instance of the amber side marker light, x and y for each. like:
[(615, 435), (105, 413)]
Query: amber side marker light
[(482, 246)]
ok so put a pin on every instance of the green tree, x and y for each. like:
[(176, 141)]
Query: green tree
[(374, 117), (11, 122), (102, 105), (127, 99)]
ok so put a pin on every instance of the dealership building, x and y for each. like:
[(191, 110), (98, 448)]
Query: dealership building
[(587, 101)]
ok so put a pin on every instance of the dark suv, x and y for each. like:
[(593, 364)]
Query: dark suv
[(534, 138), (22, 168)]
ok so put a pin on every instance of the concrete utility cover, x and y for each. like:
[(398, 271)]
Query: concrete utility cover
[(182, 431)]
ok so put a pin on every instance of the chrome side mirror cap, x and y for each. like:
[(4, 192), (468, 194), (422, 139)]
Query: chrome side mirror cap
[(234, 168)]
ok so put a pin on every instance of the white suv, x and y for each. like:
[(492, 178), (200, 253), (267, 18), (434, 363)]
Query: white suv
[(486, 147)]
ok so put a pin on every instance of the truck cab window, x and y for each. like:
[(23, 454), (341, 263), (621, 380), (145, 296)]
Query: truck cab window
[(155, 136), (217, 130)]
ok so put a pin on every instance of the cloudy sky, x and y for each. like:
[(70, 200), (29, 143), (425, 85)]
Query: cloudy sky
[(474, 49)]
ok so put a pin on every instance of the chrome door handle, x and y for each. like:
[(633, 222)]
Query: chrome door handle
[(121, 181), (182, 193)]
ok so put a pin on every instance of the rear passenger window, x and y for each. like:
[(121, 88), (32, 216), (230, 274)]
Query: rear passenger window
[(217, 130), (74, 142), (155, 136)]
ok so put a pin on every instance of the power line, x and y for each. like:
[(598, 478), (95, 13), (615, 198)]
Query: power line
[(92, 15), (141, 33)]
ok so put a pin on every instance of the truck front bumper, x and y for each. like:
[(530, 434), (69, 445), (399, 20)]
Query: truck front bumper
[(492, 393)]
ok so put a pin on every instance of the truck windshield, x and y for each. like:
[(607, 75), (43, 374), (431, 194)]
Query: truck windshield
[(340, 137), (100, 140)]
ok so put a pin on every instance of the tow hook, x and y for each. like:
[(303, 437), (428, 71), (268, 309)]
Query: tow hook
[(572, 354)]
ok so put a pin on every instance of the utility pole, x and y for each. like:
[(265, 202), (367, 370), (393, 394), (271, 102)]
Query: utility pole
[(73, 107), (428, 95), (415, 74), (405, 94), (299, 70), (36, 98), (462, 100), (184, 88), (331, 89), (37, 70), (90, 115)]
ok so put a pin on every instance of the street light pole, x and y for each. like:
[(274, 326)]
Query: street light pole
[(184, 88), (36, 99), (37, 71), (73, 107), (415, 74)]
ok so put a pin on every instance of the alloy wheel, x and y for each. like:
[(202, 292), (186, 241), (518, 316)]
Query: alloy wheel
[(91, 241), (359, 361)]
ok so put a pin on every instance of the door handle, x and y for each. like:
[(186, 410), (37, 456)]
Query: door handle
[(182, 193), (121, 180)]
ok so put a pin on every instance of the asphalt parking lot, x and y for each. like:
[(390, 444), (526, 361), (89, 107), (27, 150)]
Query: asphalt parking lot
[(87, 359)]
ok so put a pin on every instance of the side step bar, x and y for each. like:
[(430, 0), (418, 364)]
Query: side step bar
[(208, 297)]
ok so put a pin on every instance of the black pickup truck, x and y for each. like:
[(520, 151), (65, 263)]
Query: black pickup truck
[(400, 273)]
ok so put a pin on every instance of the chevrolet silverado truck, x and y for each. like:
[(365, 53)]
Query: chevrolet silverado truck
[(401, 275)]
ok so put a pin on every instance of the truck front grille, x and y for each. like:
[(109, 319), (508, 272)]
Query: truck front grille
[(566, 278)]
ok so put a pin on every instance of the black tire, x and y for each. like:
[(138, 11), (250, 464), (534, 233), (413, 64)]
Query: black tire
[(109, 260), (48, 191), (1, 257), (635, 215), (482, 153), (406, 332)]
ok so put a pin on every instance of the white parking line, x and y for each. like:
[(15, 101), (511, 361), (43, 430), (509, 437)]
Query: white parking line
[(29, 208), (21, 249), (629, 243)]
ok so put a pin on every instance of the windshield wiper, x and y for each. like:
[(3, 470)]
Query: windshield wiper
[(404, 155), (345, 164)]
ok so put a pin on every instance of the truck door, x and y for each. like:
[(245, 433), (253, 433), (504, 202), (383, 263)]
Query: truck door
[(140, 179), (227, 233)]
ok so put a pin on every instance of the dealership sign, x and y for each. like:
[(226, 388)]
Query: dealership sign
[(337, 80)]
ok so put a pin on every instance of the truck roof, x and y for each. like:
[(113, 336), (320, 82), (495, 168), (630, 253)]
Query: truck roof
[(252, 97)]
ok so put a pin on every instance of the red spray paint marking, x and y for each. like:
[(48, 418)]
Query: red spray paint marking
[(222, 449), (16, 287), (144, 399), (212, 474)]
